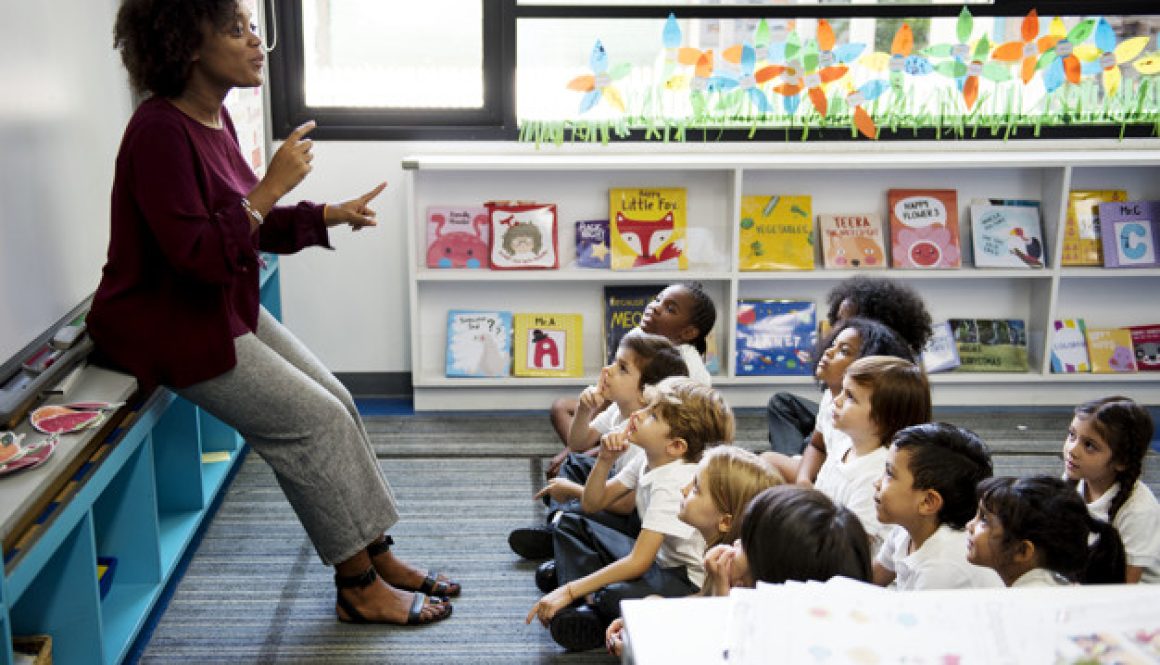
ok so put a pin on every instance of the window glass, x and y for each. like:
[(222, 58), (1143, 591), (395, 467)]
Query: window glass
[(370, 53)]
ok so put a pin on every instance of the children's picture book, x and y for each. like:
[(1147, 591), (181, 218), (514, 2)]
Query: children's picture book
[(777, 233), (546, 344), (1146, 343), (592, 249), (924, 228), (1007, 236), (1111, 350), (623, 307), (940, 353), (479, 343), (1128, 231), (523, 235), (852, 241), (457, 237), (991, 345), (1069, 353), (648, 228), (1081, 231), (776, 337)]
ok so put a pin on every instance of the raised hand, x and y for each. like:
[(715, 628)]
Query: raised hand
[(290, 163)]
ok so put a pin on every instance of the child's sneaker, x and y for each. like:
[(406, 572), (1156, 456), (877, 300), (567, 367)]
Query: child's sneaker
[(578, 628), (533, 542)]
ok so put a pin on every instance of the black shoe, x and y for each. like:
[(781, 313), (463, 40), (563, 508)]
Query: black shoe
[(578, 629), (533, 542), (546, 579)]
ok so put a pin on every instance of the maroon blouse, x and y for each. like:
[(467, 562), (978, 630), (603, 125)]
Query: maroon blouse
[(181, 279)]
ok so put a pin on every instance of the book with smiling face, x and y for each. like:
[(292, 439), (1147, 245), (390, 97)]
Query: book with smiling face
[(547, 344), (479, 343), (1111, 350), (852, 241), (924, 228), (777, 233), (648, 228)]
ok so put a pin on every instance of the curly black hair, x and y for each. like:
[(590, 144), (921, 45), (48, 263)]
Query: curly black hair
[(157, 39), (703, 316), (887, 301)]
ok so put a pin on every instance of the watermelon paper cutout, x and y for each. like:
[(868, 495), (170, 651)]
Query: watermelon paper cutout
[(30, 457), (63, 420)]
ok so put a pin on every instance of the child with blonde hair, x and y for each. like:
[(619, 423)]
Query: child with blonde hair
[(1104, 457), (642, 360), (1037, 531), (727, 479), (684, 314), (596, 567), (880, 396)]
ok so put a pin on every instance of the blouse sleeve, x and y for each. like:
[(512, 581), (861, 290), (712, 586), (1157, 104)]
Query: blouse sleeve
[(201, 244), (288, 229)]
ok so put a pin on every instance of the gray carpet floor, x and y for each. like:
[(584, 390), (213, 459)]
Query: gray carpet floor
[(255, 592)]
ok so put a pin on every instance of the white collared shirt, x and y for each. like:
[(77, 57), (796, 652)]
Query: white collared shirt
[(1040, 577), (1138, 522), (940, 563), (658, 501), (850, 483), (696, 364)]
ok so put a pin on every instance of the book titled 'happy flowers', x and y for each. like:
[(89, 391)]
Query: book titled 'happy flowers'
[(924, 228)]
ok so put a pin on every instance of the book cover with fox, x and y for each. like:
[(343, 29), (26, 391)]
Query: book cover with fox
[(648, 228)]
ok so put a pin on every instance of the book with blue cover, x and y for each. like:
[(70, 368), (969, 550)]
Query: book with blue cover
[(776, 337), (592, 250), (479, 343)]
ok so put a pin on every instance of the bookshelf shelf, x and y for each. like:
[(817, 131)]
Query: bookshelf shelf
[(845, 180), (140, 497)]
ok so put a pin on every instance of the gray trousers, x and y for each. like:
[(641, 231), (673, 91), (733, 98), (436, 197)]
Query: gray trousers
[(297, 416)]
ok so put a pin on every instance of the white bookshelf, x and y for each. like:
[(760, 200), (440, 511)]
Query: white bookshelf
[(845, 179)]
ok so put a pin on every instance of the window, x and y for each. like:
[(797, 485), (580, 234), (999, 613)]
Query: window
[(717, 70)]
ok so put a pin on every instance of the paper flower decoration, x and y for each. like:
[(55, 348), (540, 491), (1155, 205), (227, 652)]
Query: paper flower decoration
[(598, 84), (959, 53), (1060, 63), (869, 91), (980, 67), (747, 80), (1029, 48), (1106, 56), (899, 61)]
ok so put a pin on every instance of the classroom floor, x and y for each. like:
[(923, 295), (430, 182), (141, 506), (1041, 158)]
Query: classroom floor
[(255, 592)]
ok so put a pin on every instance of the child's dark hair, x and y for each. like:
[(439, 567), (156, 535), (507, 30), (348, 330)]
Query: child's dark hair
[(794, 533), (656, 356), (877, 338), (949, 460), (1127, 429), (703, 316), (900, 393), (694, 412), (1048, 512), (888, 301)]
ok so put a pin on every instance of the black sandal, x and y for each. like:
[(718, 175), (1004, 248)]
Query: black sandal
[(367, 578), (431, 584)]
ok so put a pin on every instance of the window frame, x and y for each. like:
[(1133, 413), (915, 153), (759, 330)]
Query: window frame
[(497, 121)]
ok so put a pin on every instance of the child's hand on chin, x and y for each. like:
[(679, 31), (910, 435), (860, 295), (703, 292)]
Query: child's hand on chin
[(613, 445), (546, 607)]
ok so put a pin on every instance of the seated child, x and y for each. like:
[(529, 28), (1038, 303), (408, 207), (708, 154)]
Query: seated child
[(851, 339), (596, 567), (790, 533), (727, 478), (1104, 457), (886, 301), (1037, 532), (684, 314), (880, 396), (928, 491), (641, 360)]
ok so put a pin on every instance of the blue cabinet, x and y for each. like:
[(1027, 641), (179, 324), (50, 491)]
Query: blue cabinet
[(138, 498)]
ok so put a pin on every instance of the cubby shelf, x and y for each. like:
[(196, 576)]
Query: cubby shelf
[(139, 497), (845, 179)]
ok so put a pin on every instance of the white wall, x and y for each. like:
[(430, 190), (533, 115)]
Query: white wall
[(64, 101)]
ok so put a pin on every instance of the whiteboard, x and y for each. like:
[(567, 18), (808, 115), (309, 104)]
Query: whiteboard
[(65, 101)]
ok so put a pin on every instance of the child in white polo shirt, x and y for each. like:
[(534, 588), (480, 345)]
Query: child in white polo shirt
[(928, 491), (596, 567)]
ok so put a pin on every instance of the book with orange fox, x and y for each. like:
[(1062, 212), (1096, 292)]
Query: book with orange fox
[(648, 228)]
